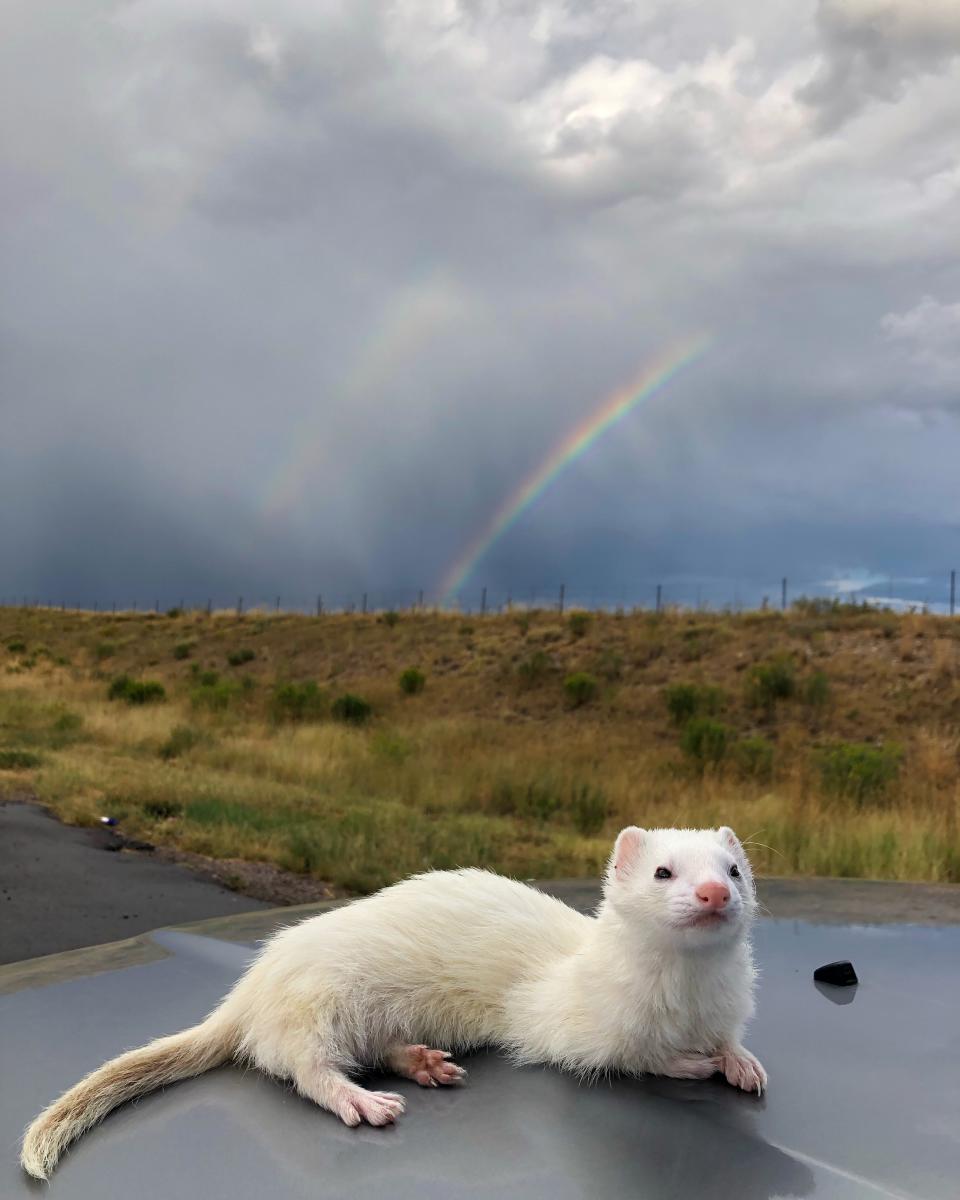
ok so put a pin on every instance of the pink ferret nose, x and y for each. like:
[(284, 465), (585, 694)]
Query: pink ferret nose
[(713, 896)]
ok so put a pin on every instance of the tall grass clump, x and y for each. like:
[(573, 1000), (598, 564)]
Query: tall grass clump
[(579, 624), (182, 650), (580, 688), (354, 710), (705, 742), (770, 682), (19, 760), (753, 758), (687, 700), (412, 681), (182, 739), (859, 771), (237, 658), (815, 690), (535, 669), (136, 691), (298, 702)]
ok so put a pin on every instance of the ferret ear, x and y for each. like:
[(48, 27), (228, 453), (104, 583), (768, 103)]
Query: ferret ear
[(626, 851), (728, 838)]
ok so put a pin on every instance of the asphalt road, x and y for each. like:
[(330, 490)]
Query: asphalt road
[(60, 888)]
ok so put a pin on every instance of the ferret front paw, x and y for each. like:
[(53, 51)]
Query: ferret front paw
[(742, 1069)]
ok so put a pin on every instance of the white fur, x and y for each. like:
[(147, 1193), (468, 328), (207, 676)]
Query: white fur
[(467, 958)]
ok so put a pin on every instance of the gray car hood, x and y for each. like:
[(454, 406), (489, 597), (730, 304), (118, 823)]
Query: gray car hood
[(864, 1096)]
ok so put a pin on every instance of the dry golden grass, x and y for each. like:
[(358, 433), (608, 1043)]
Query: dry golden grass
[(491, 765)]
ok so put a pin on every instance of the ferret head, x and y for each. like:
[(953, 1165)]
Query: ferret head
[(692, 886)]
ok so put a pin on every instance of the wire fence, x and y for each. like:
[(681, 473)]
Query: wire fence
[(933, 594)]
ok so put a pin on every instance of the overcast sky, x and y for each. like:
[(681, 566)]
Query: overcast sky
[(295, 293)]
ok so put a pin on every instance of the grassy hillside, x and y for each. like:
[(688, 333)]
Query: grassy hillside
[(523, 742)]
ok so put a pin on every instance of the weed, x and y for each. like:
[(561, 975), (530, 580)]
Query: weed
[(182, 739), (182, 650), (579, 623), (104, 650), (390, 618), (705, 742), (412, 681), (214, 697), (523, 623), (534, 670), (769, 682), (136, 691), (174, 612), (239, 657), (687, 700), (17, 646), (298, 702), (589, 809), (354, 710), (753, 757), (815, 690), (391, 747), (19, 760), (580, 688), (858, 770)]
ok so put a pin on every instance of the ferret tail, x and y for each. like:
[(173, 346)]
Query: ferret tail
[(165, 1060)]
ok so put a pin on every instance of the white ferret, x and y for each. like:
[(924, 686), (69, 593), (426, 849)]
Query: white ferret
[(660, 981)]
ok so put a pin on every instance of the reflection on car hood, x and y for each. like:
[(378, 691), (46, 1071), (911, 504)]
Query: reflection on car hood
[(864, 1097)]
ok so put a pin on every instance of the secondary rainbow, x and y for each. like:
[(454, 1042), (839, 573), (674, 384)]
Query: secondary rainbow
[(614, 408)]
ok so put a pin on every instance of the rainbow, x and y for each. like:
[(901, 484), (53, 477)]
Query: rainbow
[(576, 443)]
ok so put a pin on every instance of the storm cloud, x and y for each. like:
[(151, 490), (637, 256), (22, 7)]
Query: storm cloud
[(295, 294)]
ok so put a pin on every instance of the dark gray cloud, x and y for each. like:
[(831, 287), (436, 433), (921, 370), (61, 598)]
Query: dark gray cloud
[(295, 296)]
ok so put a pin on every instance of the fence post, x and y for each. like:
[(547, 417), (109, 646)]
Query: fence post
[(783, 593), (209, 605), (319, 605), (659, 596), (364, 603), (420, 600), (483, 602), (277, 609), (953, 592), (563, 589), (239, 606)]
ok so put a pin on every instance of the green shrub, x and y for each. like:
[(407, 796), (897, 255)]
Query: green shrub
[(216, 696), (769, 682), (175, 612), (104, 650), (753, 757), (136, 691), (523, 623), (687, 700), (859, 770), (535, 669), (390, 618), (352, 709), (298, 702), (182, 739), (579, 623), (18, 760), (412, 681), (537, 800), (17, 646), (239, 657), (466, 630), (815, 690), (705, 741), (205, 678), (589, 809), (580, 688), (182, 650)]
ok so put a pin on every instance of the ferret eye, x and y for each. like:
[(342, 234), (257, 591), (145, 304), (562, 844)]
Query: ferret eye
[(663, 873), (735, 871)]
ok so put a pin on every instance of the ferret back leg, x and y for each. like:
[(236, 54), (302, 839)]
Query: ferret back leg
[(326, 1085), (427, 1067)]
